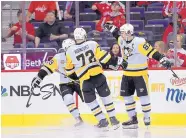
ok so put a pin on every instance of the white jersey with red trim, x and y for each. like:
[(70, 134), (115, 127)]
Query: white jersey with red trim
[(181, 56)]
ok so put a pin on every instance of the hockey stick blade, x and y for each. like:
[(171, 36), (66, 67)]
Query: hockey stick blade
[(28, 104), (174, 74)]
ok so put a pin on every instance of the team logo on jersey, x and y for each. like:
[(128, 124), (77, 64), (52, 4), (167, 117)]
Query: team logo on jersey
[(128, 51)]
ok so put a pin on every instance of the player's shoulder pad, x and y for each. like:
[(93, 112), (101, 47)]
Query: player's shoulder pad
[(92, 43), (140, 40), (60, 56)]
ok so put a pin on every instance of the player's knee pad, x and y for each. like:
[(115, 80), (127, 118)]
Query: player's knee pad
[(68, 99), (65, 89), (89, 96), (103, 90)]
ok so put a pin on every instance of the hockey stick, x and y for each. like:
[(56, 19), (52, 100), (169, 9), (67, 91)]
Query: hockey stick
[(32, 92), (174, 74), (66, 76)]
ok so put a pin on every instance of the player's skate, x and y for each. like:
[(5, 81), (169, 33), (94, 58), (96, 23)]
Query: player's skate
[(114, 122), (131, 124), (103, 124), (146, 121), (79, 122)]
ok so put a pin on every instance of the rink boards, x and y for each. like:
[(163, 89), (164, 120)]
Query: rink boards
[(168, 99)]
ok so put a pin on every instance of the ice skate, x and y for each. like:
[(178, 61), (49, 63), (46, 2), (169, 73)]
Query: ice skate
[(114, 122), (103, 124), (79, 122), (147, 122), (131, 124)]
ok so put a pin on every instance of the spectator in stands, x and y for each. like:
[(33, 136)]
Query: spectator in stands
[(113, 15), (115, 53), (143, 3), (182, 14), (161, 47), (169, 29), (40, 8), (16, 31), (69, 12), (181, 53), (51, 32), (168, 8)]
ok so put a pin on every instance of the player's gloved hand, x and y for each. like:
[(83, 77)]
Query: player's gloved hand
[(122, 62), (109, 27), (165, 62), (36, 82)]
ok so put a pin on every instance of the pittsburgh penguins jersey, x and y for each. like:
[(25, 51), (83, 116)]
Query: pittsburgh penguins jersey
[(85, 59), (136, 53), (55, 64)]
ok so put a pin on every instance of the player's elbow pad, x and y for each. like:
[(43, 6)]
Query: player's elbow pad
[(73, 76), (44, 71), (157, 56)]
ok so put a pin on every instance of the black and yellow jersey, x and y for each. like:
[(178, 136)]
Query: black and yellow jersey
[(55, 64), (136, 53), (85, 59)]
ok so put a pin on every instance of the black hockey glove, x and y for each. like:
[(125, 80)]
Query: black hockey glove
[(36, 82), (165, 62), (123, 63)]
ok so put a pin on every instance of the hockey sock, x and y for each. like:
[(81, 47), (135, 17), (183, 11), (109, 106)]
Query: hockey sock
[(96, 109), (130, 105), (146, 107), (69, 102), (107, 101)]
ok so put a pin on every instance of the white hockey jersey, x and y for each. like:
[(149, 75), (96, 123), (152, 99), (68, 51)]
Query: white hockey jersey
[(58, 63), (136, 54), (85, 59)]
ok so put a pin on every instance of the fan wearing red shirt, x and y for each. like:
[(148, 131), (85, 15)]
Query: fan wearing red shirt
[(40, 8), (143, 3), (169, 29), (16, 30), (182, 15), (117, 18), (168, 8), (114, 15), (181, 53), (161, 48)]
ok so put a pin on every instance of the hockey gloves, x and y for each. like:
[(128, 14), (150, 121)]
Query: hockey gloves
[(165, 62), (122, 62), (36, 82)]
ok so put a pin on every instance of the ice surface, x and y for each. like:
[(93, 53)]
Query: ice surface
[(88, 131)]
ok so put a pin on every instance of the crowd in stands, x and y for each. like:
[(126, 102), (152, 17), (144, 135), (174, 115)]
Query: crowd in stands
[(55, 21)]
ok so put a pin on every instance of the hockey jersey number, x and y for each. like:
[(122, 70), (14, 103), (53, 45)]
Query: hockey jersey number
[(88, 54)]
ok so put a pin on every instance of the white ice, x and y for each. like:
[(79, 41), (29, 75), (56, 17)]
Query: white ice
[(88, 131)]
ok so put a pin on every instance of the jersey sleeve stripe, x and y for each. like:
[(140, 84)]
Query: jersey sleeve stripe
[(103, 56), (150, 52), (106, 59), (69, 72), (69, 69), (45, 68)]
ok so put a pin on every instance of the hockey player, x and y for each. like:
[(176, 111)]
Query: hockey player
[(67, 86), (84, 59), (136, 51)]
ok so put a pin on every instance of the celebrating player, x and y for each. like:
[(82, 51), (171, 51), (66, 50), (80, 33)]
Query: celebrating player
[(67, 86), (84, 59), (135, 51)]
